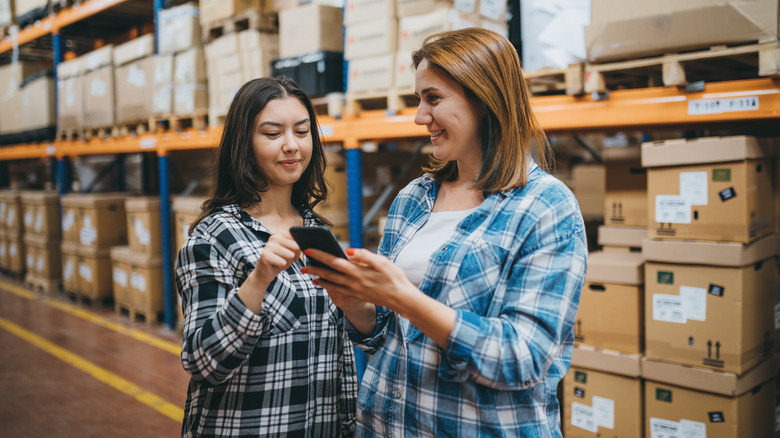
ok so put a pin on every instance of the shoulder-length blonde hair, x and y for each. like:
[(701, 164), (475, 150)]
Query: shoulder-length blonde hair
[(487, 66)]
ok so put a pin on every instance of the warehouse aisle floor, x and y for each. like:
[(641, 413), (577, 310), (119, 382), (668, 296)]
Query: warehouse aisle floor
[(68, 370)]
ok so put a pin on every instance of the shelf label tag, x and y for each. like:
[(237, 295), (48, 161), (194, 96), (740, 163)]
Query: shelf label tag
[(326, 130), (699, 107), (148, 143), (51, 149)]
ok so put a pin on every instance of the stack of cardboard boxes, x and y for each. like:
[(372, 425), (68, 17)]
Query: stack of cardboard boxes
[(11, 226), (186, 210), (137, 267), (603, 391), (91, 225), (27, 103), (42, 240), (134, 72)]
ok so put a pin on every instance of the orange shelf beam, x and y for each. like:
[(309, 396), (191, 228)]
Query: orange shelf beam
[(29, 33), (27, 151)]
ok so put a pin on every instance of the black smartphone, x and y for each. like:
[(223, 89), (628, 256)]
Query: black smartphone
[(317, 238)]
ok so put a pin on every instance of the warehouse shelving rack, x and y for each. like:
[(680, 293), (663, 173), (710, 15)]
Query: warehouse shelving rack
[(753, 102)]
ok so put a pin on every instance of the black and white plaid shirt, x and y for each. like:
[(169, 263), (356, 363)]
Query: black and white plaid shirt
[(288, 371)]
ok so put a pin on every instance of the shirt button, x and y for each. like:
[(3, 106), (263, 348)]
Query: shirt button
[(444, 248), (398, 393)]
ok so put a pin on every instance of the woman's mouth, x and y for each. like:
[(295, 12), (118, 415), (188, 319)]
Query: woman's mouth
[(289, 164), (436, 134)]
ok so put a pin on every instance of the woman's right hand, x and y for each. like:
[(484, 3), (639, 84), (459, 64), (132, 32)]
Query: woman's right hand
[(279, 253)]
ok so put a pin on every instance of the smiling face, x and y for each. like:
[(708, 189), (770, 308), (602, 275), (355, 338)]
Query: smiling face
[(282, 141), (450, 115)]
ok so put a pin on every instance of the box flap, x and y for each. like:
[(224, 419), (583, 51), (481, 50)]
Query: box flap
[(703, 379), (10, 195), (607, 360), (125, 254), (622, 236), (40, 197), (615, 268), (142, 203), (701, 252), (705, 150), (189, 204)]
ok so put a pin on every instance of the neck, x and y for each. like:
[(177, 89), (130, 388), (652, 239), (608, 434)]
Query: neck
[(467, 173), (276, 203)]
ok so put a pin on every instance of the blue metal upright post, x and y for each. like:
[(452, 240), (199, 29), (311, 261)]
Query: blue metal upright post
[(355, 208), (63, 175), (167, 254)]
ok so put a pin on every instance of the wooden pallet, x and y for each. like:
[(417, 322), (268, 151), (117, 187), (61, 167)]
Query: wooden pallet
[(179, 122), (48, 286), (149, 317), (88, 300), (58, 5), (69, 134), (718, 63), (100, 132), (332, 104), (248, 19), (551, 80), (392, 100), (137, 127)]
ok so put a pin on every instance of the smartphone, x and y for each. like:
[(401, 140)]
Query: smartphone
[(317, 238)]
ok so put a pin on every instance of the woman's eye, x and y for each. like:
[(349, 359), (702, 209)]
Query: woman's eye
[(302, 132), (432, 98), (272, 134)]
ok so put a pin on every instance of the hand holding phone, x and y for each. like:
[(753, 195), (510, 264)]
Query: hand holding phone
[(317, 237)]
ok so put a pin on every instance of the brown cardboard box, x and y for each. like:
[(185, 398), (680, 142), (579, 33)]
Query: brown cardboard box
[(70, 111), (412, 30), (634, 28), (404, 70), (370, 39), (144, 224), (360, 11), (69, 223), (258, 49), (323, 26), (186, 211), (621, 237), (98, 58), (610, 314), (625, 198), (41, 213), (70, 264), (134, 90), (709, 253), (100, 219), (11, 77), (716, 188), (179, 28), (3, 250), (138, 281), (11, 219), (120, 274), (711, 316), (371, 74), (37, 104), (335, 207), (608, 361), (99, 98), (44, 259), (212, 10), (94, 272), (189, 66), (190, 99), (590, 189), (408, 8), (598, 404), (14, 259), (135, 49), (685, 401)]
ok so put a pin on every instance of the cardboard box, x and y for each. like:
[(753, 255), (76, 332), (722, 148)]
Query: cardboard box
[(120, 276), (99, 99), (41, 213), (70, 111), (37, 104), (371, 74), (706, 403), (190, 99), (404, 70), (11, 211), (335, 207), (413, 30), (144, 224), (70, 263), (360, 11), (280, 5), (729, 198), (11, 77), (94, 273), (258, 50), (134, 92), (213, 10), (186, 211), (492, 9), (7, 12), (601, 404), (709, 253), (138, 278), (100, 219), (590, 189), (608, 361), (189, 67), (711, 316), (162, 99), (622, 237), (44, 259), (323, 26), (138, 48), (12, 252), (625, 29), (551, 32), (24, 6), (625, 197), (371, 39), (179, 28), (408, 8), (98, 58), (610, 315)]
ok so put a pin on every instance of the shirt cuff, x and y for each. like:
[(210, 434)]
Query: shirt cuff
[(454, 366), (374, 342)]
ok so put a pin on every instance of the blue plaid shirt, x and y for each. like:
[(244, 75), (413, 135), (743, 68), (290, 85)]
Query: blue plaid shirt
[(513, 271)]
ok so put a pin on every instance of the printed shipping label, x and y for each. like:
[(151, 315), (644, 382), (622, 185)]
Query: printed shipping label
[(138, 282), (660, 428), (85, 272), (582, 416), (694, 301), (693, 429), (10, 220), (68, 220), (668, 308), (30, 262), (28, 219), (120, 277), (39, 222), (693, 187), (672, 209), (604, 411), (41, 264), (67, 271)]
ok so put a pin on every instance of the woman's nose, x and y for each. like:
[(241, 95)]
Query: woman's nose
[(423, 114)]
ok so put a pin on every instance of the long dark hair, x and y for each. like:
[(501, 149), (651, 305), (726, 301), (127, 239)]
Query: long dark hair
[(239, 179)]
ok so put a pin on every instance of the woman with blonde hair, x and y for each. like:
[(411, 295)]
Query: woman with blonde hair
[(468, 309)]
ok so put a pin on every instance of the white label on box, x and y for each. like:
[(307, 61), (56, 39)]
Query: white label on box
[(12, 249), (85, 272), (41, 264), (693, 429), (138, 282), (68, 220), (697, 107), (604, 411), (465, 5), (120, 277), (136, 76), (582, 416), (668, 308), (10, 220), (660, 428), (28, 219), (67, 271), (693, 187), (38, 222), (2, 249), (672, 209), (493, 9), (98, 87), (30, 262), (777, 316), (694, 301), (141, 232), (88, 233)]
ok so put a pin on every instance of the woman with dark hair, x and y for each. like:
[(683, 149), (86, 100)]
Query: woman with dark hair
[(468, 309), (266, 348)]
